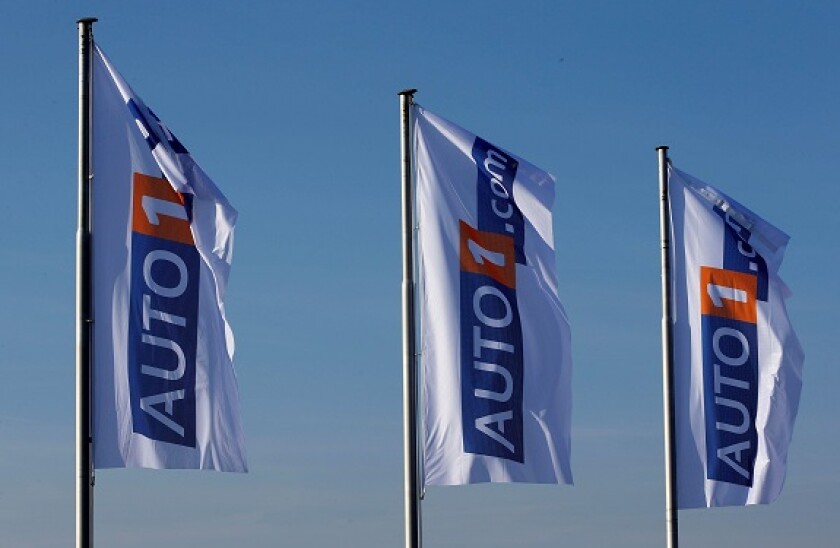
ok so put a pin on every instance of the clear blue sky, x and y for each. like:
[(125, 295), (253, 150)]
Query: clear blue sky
[(291, 107)]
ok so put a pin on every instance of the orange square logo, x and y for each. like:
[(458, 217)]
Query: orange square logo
[(158, 210), (728, 294), (489, 254)]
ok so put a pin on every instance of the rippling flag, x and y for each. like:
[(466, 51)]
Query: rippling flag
[(165, 392), (737, 362), (495, 341)]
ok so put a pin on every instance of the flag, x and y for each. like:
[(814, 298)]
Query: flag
[(495, 341), (737, 362), (164, 388)]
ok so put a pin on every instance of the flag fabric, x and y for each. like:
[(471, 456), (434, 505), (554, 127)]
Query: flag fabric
[(495, 341), (165, 392), (737, 362)]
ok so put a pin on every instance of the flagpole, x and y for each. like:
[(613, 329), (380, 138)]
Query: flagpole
[(84, 318), (671, 524), (413, 527)]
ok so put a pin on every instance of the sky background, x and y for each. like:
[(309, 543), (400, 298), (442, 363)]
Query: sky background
[(292, 108)]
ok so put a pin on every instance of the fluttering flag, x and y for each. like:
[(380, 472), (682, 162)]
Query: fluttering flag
[(165, 392), (737, 361), (495, 340)]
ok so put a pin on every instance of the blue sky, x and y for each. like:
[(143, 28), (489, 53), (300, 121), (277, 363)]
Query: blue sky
[(291, 107)]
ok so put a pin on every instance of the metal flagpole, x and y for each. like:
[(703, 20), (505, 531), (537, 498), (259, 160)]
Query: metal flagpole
[(84, 309), (667, 367), (410, 441)]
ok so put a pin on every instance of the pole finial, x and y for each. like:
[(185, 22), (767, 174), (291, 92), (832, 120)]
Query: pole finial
[(87, 20), (662, 147), (408, 91)]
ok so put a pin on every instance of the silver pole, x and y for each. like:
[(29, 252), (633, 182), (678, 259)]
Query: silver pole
[(413, 526), (84, 318), (671, 524)]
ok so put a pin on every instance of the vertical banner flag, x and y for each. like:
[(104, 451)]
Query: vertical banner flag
[(737, 361), (165, 392), (495, 341)]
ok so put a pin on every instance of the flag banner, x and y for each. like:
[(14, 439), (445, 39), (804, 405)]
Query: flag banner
[(164, 388), (495, 340), (737, 362)]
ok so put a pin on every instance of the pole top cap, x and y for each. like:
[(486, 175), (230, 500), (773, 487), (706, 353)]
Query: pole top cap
[(662, 147), (87, 20), (407, 91)]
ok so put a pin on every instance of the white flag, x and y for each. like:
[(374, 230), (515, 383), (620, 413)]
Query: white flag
[(495, 341), (737, 362), (165, 392)]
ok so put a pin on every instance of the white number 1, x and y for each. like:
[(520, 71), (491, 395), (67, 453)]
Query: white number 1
[(720, 292), (154, 207), (479, 254)]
